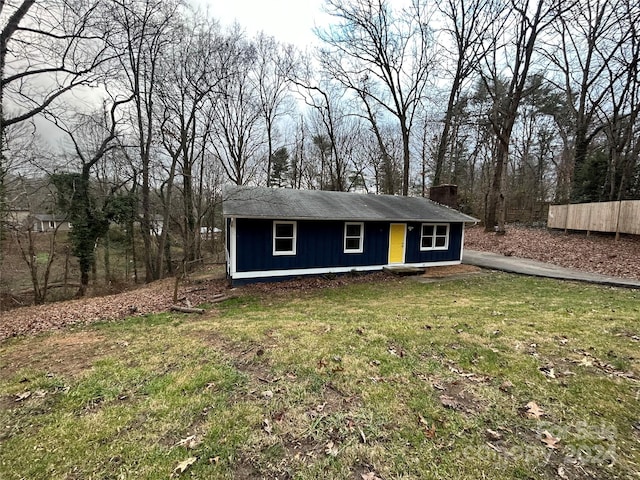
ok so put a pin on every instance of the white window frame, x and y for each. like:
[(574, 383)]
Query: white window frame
[(434, 236), (360, 237), (293, 239)]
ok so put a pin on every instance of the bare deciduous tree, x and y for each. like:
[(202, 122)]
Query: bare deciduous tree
[(382, 55), (523, 23), (274, 66), (139, 32), (591, 35), (467, 25), (190, 72), (47, 48), (236, 112)]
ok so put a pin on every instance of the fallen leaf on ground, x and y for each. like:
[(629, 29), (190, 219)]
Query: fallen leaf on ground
[(266, 426), (430, 432), (549, 440), (370, 476), (331, 450), (429, 429), (23, 396), (449, 402), (562, 474), (585, 362), (183, 466), (548, 372), (493, 435), (189, 442), (506, 386), (534, 411), (493, 447)]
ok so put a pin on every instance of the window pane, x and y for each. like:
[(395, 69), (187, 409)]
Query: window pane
[(353, 230), (284, 230), (441, 241), (284, 245), (352, 244), (441, 230), (427, 230), (427, 242)]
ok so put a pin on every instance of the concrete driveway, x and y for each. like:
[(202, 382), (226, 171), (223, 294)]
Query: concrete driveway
[(525, 266)]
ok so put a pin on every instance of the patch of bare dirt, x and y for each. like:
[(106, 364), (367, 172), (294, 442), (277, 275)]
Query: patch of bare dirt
[(450, 270), (458, 396), (303, 284), (61, 354), (596, 253)]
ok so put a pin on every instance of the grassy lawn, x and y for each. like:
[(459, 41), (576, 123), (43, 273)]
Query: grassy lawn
[(495, 376)]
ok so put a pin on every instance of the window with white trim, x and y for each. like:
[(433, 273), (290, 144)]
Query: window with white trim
[(434, 236), (353, 237), (284, 238)]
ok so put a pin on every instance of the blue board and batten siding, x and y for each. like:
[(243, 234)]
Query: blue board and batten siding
[(320, 246), (320, 220)]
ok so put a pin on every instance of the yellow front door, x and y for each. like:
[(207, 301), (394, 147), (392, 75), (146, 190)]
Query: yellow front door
[(397, 234)]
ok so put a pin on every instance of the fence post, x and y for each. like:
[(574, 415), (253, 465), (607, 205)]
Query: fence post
[(618, 220)]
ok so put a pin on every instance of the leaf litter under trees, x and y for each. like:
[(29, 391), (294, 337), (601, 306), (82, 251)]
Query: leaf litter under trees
[(597, 253)]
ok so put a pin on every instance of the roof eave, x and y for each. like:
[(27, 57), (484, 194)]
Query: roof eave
[(348, 219)]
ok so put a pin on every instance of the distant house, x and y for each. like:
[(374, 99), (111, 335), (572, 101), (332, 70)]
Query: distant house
[(280, 233), (210, 232), (39, 222), (17, 217), (49, 223)]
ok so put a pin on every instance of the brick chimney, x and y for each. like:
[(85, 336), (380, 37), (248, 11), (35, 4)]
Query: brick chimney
[(445, 195)]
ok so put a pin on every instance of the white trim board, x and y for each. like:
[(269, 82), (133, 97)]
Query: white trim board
[(328, 270)]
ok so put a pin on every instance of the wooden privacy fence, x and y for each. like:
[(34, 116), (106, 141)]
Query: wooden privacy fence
[(616, 217)]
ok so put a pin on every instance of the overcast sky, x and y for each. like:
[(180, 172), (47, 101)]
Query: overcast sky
[(290, 21)]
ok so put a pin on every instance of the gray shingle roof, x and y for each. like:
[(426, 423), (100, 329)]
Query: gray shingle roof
[(286, 203)]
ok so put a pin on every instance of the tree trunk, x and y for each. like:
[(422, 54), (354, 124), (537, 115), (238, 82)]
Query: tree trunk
[(145, 226), (444, 139), (406, 154), (107, 262), (496, 209), (84, 279)]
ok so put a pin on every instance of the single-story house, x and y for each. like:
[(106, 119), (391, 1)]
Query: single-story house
[(17, 217), (283, 233), (39, 222), (210, 232), (44, 222)]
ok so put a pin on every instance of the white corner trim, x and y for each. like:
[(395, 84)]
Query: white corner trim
[(233, 247)]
